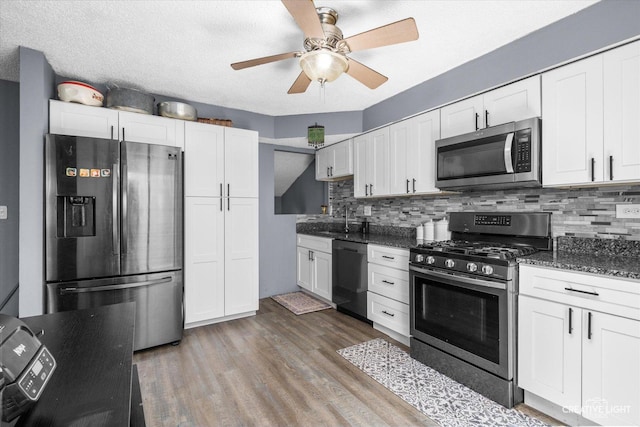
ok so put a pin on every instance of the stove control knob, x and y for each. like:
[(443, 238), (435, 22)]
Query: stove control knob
[(449, 263), (472, 267), (431, 260), (487, 269), (419, 258)]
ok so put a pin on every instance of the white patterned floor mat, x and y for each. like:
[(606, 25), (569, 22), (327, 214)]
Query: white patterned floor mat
[(444, 400)]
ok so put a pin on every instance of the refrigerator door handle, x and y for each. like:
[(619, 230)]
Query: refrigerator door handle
[(125, 228), (114, 211), (74, 290)]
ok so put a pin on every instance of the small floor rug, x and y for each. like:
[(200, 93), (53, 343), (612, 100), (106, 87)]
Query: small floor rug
[(300, 302), (442, 399)]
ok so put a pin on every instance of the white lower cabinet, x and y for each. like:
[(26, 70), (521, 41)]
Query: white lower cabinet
[(314, 264), (579, 351), (221, 258), (388, 290)]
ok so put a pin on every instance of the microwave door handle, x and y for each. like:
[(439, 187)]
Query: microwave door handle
[(508, 144)]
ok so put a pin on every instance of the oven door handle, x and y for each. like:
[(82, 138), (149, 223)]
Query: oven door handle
[(460, 279), (508, 145)]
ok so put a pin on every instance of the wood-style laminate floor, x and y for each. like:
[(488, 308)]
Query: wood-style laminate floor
[(273, 369)]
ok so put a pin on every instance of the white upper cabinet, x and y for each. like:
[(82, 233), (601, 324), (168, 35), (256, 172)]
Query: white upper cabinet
[(371, 163), (622, 113), (68, 118), (572, 123), (335, 161), (590, 128), (220, 161), (241, 162), (412, 154), (204, 160), (136, 127), (513, 102)]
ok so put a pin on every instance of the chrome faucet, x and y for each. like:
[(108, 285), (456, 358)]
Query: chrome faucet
[(346, 220)]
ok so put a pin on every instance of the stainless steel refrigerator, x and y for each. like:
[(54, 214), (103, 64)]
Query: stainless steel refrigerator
[(114, 231)]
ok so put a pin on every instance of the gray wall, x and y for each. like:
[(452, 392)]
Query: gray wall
[(593, 28), (277, 234), (37, 84), (9, 189), (306, 195)]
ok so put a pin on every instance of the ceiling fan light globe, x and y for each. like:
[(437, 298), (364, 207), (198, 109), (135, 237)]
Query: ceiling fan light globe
[(323, 65)]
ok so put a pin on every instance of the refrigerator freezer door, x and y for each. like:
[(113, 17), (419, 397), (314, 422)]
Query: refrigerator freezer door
[(158, 298), (81, 208), (151, 208)]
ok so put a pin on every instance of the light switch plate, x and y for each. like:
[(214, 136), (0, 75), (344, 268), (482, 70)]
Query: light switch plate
[(628, 211), (3, 212), (367, 210)]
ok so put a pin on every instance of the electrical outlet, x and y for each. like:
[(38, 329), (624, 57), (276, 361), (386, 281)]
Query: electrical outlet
[(628, 211), (3, 212), (367, 210)]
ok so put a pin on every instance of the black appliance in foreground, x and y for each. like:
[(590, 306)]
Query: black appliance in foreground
[(26, 366), (349, 281), (464, 299)]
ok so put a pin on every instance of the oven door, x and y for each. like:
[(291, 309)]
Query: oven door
[(465, 317)]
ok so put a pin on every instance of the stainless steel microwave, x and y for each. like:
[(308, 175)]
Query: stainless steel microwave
[(503, 156)]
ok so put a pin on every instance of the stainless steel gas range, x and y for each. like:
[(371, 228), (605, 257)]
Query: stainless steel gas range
[(464, 298)]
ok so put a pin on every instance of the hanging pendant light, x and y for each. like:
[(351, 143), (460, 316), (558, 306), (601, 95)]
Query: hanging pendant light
[(315, 135)]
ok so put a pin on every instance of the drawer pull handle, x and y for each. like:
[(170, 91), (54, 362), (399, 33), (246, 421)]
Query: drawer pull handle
[(388, 257), (582, 292), (388, 314), (388, 282)]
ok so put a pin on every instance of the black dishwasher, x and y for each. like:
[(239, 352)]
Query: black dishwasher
[(349, 291)]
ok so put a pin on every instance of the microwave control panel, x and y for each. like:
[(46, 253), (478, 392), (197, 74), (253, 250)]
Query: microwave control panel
[(523, 151)]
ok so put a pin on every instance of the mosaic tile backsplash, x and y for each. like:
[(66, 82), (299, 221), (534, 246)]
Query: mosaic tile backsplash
[(584, 212)]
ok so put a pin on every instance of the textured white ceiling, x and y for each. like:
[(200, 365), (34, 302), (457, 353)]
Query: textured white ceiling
[(183, 48)]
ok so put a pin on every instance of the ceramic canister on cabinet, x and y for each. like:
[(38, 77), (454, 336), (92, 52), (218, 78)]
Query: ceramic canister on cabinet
[(419, 233)]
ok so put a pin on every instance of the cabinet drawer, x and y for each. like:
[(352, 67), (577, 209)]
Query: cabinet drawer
[(387, 312), (387, 256), (590, 291), (389, 282), (322, 244)]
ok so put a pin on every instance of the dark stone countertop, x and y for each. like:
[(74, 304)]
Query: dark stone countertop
[(374, 238), (608, 265)]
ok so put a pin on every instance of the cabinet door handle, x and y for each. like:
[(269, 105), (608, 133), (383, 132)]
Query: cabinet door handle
[(570, 320), (220, 189), (111, 132), (589, 334), (414, 185), (593, 169), (309, 255), (228, 203), (312, 257), (388, 314), (477, 117), (228, 190), (610, 168), (582, 292), (331, 169), (486, 118), (388, 257), (328, 174), (371, 189), (388, 282), (220, 204), (123, 134), (366, 190), (407, 186)]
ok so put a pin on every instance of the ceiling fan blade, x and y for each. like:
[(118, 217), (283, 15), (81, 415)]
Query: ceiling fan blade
[(365, 75), (306, 16), (301, 84), (397, 32), (263, 60)]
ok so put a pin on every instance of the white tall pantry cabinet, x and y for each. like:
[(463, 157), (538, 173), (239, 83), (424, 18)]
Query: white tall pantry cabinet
[(221, 217)]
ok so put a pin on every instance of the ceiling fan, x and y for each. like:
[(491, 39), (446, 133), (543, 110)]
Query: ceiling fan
[(325, 56)]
